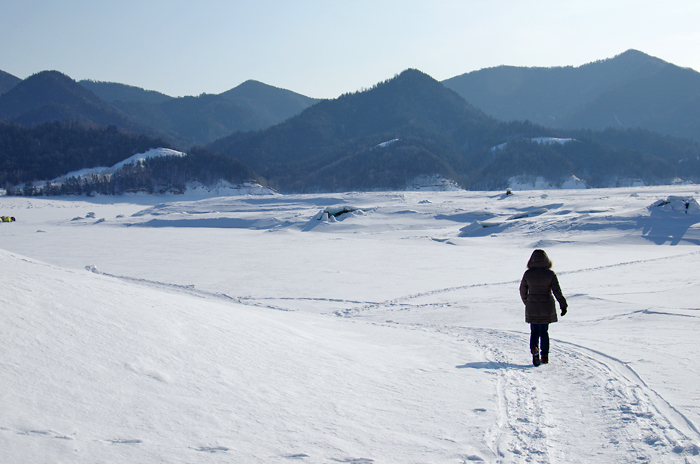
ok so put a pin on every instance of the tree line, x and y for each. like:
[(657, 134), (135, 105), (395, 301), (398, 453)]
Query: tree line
[(31, 157), (165, 174), (53, 149)]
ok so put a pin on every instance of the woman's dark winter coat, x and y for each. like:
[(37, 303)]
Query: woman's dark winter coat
[(536, 289)]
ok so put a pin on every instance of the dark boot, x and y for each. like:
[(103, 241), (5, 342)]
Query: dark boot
[(536, 356)]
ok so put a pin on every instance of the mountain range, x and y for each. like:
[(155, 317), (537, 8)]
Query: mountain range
[(340, 144), (630, 90), (52, 96), (613, 122), (412, 125), (202, 119), (183, 122)]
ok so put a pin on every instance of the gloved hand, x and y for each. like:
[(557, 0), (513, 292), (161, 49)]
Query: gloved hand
[(563, 311)]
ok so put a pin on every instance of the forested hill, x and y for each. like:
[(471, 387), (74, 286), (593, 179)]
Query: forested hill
[(407, 127), (112, 91), (198, 120), (49, 150), (273, 104), (51, 96), (339, 145), (183, 122), (335, 143), (7, 81), (44, 152), (627, 91)]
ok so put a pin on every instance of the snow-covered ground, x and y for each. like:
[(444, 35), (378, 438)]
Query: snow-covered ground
[(182, 329)]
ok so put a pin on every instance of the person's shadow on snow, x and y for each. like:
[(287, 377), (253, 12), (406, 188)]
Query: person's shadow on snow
[(494, 365)]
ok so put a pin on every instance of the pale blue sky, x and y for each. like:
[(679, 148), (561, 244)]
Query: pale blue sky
[(326, 48)]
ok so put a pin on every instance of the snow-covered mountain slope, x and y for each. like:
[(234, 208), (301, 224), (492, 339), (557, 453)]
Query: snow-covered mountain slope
[(222, 187), (152, 153), (243, 329)]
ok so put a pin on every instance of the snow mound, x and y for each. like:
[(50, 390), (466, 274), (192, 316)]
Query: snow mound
[(675, 204), (333, 213), (92, 268), (526, 214), (477, 226)]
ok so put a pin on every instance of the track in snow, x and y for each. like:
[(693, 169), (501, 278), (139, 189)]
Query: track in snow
[(583, 407), (353, 311)]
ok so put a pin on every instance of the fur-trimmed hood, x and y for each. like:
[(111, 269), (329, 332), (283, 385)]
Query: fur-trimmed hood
[(539, 259)]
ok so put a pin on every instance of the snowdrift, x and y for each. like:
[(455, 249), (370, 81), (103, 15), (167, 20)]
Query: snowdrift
[(95, 369)]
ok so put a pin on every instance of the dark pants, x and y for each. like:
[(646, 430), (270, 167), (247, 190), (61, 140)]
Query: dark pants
[(539, 336)]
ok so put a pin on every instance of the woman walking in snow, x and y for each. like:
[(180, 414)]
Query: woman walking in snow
[(536, 289)]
